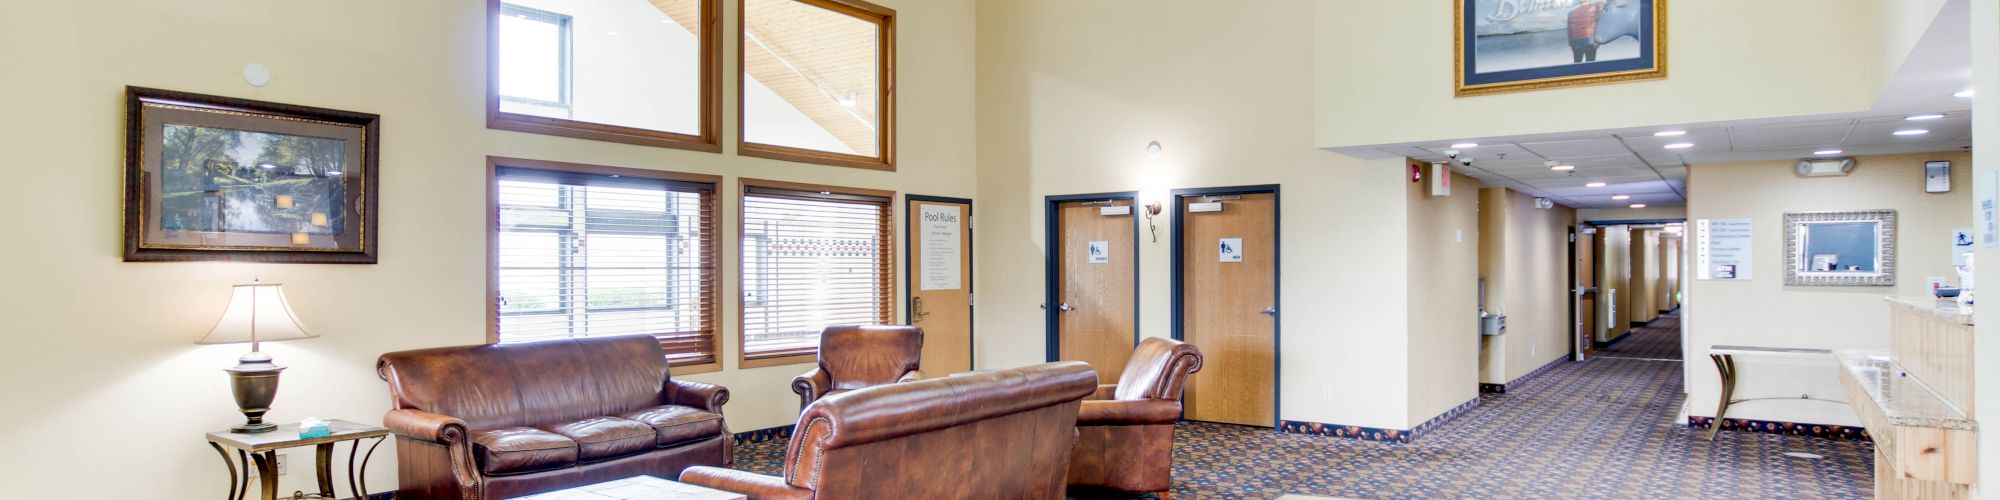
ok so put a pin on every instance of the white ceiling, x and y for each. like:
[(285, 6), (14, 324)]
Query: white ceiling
[(1635, 163)]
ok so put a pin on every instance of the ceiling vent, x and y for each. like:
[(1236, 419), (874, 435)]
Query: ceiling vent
[(1826, 167)]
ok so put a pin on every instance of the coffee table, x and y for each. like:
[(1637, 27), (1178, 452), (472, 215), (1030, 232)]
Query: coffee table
[(637, 488)]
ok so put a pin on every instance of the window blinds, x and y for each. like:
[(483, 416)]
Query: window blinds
[(811, 260), (585, 255)]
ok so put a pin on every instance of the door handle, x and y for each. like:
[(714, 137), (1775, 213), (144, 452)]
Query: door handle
[(917, 308), (1271, 311), (1064, 307)]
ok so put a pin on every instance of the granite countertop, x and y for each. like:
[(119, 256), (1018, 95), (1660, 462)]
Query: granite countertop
[(1904, 401), (1947, 310)]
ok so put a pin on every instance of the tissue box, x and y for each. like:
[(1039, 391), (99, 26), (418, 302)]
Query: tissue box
[(315, 428)]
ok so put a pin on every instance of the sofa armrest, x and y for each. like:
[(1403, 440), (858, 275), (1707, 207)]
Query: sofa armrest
[(425, 426), (1132, 412), (707, 397), (810, 386), (911, 376), (756, 486), (1105, 392)]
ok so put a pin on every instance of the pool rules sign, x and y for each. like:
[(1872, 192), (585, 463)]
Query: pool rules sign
[(941, 250)]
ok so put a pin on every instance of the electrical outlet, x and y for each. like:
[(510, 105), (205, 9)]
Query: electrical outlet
[(1326, 393), (1531, 349), (281, 466)]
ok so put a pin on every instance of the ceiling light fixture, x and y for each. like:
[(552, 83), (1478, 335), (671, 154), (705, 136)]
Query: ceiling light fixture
[(1620, 197), (1563, 168), (1912, 131), (1966, 94), (1827, 152), (1465, 145), (1680, 145), (1638, 205), (1595, 185), (1670, 133), (1922, 117)]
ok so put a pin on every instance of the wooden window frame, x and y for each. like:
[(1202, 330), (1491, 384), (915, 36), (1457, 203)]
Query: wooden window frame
[(493, 166), (708, 138), (884, 19), (888, 289)]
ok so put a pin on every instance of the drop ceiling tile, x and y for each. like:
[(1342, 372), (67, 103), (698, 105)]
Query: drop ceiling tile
[(1806, 137), (1597, 146)]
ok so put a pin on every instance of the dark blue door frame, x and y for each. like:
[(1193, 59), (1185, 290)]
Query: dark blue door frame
[(1277, 253), (1052, 225), (971, 346)]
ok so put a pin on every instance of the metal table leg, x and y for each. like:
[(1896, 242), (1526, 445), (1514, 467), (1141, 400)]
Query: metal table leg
[(323, 467), (1725, 365), (230, 494), (360, 485), (267, 473), (243, 460)]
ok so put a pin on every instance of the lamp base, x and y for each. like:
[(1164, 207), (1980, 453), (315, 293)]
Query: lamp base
[(254, 383)]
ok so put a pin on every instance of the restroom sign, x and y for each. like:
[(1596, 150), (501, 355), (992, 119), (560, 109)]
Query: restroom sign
[(1100, 252), (1229, 250)]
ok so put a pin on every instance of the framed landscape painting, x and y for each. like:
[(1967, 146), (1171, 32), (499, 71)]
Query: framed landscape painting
[(217, 178), (1520, 45)]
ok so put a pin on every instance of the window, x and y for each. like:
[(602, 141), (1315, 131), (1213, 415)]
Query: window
[(817, 82), (813, 256), (583, 251), (632, 71)]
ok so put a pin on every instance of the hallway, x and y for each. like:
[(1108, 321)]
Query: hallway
[(1658, 340)]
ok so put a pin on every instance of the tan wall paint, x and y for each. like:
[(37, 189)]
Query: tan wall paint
[(1762, 311), (1528, 250), (1615, 276), (1627, 214), (1069, 95), (144, 384), (1719, 50), (1644, 276), (1443, 296), (1493, 222)]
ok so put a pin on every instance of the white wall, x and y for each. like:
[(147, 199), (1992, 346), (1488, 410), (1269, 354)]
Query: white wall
[(1763, 311), (1985, 21), (1071, 92), (103, 344)]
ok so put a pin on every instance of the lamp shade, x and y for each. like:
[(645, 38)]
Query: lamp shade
[(257, 313)]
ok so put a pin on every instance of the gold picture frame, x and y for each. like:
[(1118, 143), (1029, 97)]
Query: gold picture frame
[(1650, 63)]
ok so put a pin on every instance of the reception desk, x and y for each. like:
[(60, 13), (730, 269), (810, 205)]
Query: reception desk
[(1916, 401)]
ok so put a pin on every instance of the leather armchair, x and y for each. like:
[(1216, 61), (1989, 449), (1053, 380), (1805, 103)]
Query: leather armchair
[(1125, 432), (854, 357), (1005, 434)]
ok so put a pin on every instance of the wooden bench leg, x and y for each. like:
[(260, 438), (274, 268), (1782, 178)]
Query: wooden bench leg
[(1725, 365)]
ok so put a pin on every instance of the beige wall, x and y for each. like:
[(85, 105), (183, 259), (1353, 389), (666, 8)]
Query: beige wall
[(1526, 250), (113, 343), (1725, 52), (1069, 95), (1614, 268), (1644, 276), (1762, 311), (1444, 297), (1625, 214), (1985, 20), (1493, 211)]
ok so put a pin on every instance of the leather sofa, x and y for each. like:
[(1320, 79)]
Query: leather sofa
[(1004, 434), (503, 420), (853, 357), (1125, 432)]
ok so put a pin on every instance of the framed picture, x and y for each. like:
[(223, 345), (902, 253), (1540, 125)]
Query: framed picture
[(1519, 45), (1937, 177), (217, 178)]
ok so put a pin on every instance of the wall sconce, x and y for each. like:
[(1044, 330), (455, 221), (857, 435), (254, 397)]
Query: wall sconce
[(1152, 209)]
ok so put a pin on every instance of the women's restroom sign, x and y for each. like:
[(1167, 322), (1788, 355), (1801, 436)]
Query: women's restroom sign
[(1100, 252), (1229, 250)]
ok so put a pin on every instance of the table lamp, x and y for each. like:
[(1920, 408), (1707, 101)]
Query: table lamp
[(257, 313)]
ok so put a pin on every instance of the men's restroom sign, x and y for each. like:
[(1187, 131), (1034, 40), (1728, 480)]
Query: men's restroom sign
[(1230, 250), (1100, 252)]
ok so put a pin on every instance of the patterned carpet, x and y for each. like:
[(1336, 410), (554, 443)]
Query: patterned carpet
[(1660, 339), (1597, 429)]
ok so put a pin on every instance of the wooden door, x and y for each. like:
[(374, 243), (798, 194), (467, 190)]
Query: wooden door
[(1585, 328), (1096, 293), (940, 281), (1229, 307)]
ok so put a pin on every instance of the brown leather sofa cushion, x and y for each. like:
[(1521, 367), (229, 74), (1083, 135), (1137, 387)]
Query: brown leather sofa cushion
[(676, 424), (516, 450), (598, 438)]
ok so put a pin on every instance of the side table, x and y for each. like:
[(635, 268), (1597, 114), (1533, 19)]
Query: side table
[(262, 448)]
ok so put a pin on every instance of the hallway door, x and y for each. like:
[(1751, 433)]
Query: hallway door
[(1093, 303), (938, 239), (1585, 327), (1228, 248)]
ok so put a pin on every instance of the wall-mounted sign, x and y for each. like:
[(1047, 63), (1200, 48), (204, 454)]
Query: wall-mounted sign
[(1988, 209), (941, 250), (1230, 250), (1100, 252), (1961, 246), (1937, 177), (1722, 249)]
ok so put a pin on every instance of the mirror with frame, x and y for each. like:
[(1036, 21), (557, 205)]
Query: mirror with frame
[(1844, 248)]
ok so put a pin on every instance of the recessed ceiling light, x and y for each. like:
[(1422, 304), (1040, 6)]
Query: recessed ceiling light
[(1638, 205), (1594, 185), (1563, 168), (1621, 197), (1670, 133), (1826, 152), (612, 33), (1912, 131), (1465, 145), (1967, 93), (1923, 117), (1680, 145)]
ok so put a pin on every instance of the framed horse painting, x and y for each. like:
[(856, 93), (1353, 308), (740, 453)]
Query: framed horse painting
[(1519, 45)]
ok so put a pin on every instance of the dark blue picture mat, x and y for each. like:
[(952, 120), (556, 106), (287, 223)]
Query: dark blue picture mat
[(1471, 54)]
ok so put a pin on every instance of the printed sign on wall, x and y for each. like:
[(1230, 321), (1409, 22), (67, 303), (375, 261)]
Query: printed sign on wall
[(1722, 249), (1100, 252), (941, 252), (1230, 250), (1961, 246), (1983, 191)]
